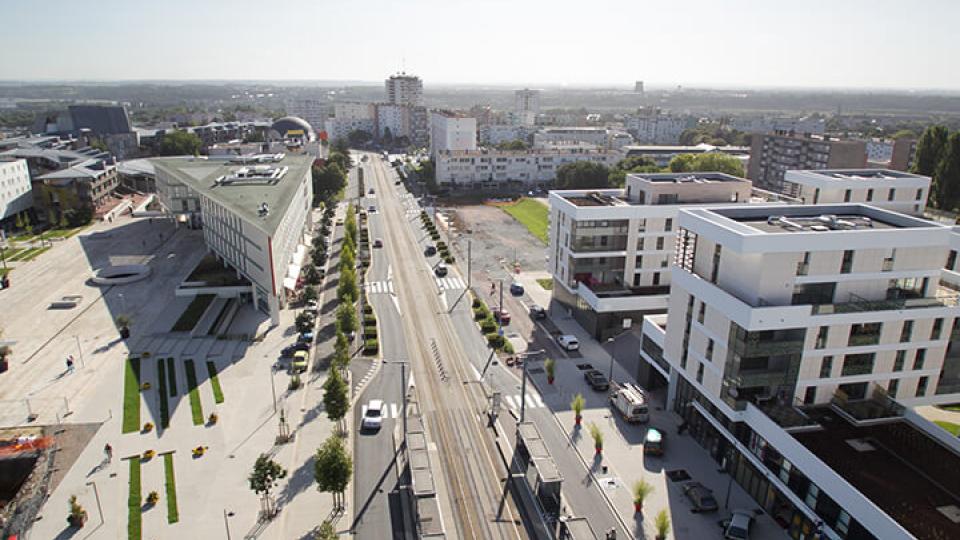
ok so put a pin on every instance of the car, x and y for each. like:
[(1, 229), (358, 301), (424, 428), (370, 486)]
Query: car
[(538, 312), (653, 442), (501, 315), (440, 270), (397, 183), (306, 337), (737, 526), (377, 243), (373, 415), (596, 379), (516, 288), (312, 304), (312, 310), (700, 496), (289, 350), (339, 221), (300, 361), (568, 342), (430, 250), (371, 209), (371, 192)]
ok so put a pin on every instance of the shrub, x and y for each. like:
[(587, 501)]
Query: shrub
[(495, 340), (477, 303), (441, 245), (369, 331), (371, 346), (508, 347), (487, 326), (367, 309), (369, 319), (449, 260)]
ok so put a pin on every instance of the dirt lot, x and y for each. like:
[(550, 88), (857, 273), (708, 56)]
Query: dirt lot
[(498, 240)]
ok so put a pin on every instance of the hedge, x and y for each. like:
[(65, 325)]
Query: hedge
[(367, 309), (369, 319), (488, 325), (449, 260), (371, 346), (495, 340)]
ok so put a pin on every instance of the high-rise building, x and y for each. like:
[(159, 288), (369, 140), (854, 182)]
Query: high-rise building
[(795, 337), (773, 154), (450, 131), (314, 111), (16, 193), (653, 127), (526, 101), (638, 87), (892, 190), (403, 89)]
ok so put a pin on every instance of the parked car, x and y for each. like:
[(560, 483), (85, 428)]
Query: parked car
[(653, 442), (377, 243), (737, 526), (300, 361), (516, 288), (371, 209), (700, 496), (306, 337), (440, 270), (430, 251), (289, 350), (596, 379), (568, 342), (538, 312), (397, 182), (373, 416), (501, 315)]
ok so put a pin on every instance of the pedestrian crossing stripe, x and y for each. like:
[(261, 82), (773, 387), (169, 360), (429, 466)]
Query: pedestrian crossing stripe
[(390, 410), (380, 287), (450, 283), (534, 401)]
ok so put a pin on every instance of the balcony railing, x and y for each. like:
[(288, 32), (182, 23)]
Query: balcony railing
[(886, 305), (858, 340)]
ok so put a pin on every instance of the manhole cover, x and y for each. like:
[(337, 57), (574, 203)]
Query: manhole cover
[(584, 367), (678, 475), (535, 370)]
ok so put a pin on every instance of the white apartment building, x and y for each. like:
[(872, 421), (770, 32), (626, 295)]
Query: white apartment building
[(16, 192), (656, 128), (351, 116), (403, 89), (449, 131), (254, 211), (493, 169), (891, 190), (494, 134), (597, 136), (526, 101), (314, 111), (764, 124), (794, 336), (609, 251)]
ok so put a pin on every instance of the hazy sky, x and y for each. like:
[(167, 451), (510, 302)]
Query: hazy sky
[(835, 43)]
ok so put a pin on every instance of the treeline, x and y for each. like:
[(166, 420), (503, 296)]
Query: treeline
[(330, 178), (938, 156), (589, 174)]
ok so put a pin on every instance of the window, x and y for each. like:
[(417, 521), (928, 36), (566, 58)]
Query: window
[(656, 278), (846, 196), (893, 387), (847, 264), (822, 337), (668, 224), (951, 259), (803, 267), (826, 367), (700, 373), (810, 395), (816, 196), (659, 243), (639, 261), (640, 244), (709, 354), (919, 194), (716, 263), (869, 195), (891, 194), (937, 329), (668, 198), (664, 263), (898, 361), (888, 261), (906, 331), (702, 312), (813, 293), (922, 386), (642, 225), (864, 334), (812, 492), (857, 364), (919, 358)]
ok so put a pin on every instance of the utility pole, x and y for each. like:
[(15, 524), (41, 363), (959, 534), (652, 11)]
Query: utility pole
[(469, 262), (273, 388), (226, 523), (403, 393)]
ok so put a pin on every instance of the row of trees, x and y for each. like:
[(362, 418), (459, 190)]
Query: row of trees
[(330, 178), (590, 175), (938, 156)]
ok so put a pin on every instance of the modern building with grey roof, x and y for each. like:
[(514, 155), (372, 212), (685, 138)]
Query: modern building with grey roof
[(253, 210)]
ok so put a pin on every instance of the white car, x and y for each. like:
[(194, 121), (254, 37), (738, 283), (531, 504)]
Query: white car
[(373, 416), (568, 342)]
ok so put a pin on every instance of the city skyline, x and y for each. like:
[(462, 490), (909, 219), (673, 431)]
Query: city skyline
[(782, 46)]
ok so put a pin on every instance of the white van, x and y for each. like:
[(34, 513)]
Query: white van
[(568, 342)]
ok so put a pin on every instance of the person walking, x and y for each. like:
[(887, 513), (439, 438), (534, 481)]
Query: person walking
[(108, 450), (70, 364)]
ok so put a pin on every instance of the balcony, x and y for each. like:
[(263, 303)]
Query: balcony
[(895, 304), (615, 297)]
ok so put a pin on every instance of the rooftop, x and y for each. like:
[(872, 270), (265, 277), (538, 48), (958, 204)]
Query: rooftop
[(829, 178), (258, 193), (822, 218), (689, 178)]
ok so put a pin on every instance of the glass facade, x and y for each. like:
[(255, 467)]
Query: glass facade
[(762, 365)]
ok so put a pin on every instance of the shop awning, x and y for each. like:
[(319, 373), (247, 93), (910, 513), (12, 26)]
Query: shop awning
[(290, 283)]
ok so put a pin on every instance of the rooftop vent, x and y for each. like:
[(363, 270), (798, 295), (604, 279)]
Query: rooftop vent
[(821, 223), (263, 210), (255, 174)]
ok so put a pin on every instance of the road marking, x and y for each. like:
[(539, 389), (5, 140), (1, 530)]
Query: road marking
[(390, 410), (395, 409), (536, 399), (450, 283), (376, 287), (511, 402)]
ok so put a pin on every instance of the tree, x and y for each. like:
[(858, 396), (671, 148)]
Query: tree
[(347, 258), (515, 144), (359, 137), (347, 318), (708, 162), (930, 148), (123, 324), (310, 293), (332, 469), (180, 143), (311, 274), (583, 175), (340, 159), (266, 473), (427, 173), (341, 146), (326, 531), (904, 134), (347, 290), (336, 400), (304, 322), (341, 346), (328, 180), (947, 174), (99, 145)]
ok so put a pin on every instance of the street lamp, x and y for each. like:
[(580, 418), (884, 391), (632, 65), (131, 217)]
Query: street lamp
[(610, 341), (403, 393), (523, 382)]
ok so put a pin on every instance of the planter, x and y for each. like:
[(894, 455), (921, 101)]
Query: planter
[(124, 333), (199, 451), (637, 507), (146, 385), (148, 427), (212, 419), (599, 450), (577, 419), (153, 498), (77, 521), (549, 380), (148, 455)]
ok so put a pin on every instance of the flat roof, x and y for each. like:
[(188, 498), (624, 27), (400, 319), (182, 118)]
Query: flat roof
[(906, 473), (688, 177), (815, 218), (242, 198)]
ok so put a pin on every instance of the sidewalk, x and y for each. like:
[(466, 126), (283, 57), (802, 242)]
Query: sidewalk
[(623, 457)]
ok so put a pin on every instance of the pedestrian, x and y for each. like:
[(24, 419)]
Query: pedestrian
[(108, 450), (70, 364)]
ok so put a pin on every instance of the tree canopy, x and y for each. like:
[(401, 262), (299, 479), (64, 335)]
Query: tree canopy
[(359, 137), (582, 175), (336, 400), (947, 174), (333, 468), (515, 144), (180, 143), (708, 162), (266, 473), (930, 148)]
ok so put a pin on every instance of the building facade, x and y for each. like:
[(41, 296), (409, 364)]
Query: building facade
[(403, 89), (16, 192), (655, 128), (891, 190), (452, 132), (794, 337), (526, 101), (314, 111), (596, 136), (495, 169), (772, 155), (661, 155)]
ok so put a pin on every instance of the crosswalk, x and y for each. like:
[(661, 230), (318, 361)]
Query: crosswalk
[(534, 401), (390, 410), (450, 283), (375, 287)]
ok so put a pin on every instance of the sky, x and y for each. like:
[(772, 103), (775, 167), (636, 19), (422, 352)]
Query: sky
[(889, 44)]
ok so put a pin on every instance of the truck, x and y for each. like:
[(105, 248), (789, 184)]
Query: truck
[(631, 401)]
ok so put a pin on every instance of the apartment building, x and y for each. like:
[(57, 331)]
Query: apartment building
[(494, 169), (904, 152), (596, 136), (655, 128), (16, 193), (493, 134), (766, 124), (609, 251), (794, 337), (526, 101), (403, 89), (450, 131), (883, 188), (773, 154), (85, 186), (254, 211), (314, 111), (661, 155)]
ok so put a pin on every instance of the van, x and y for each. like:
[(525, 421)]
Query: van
[(569, 342), (631, 401)]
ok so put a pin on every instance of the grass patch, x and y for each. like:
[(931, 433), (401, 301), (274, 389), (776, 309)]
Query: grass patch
[(955, 407), (532, 215), (173, 515), (953, 429), (546, 283), (64, 233), (215, 382), (195, 407), (172, 375), (164, 404), (28, 254), (131, 396), (192, 314), (134, 516)]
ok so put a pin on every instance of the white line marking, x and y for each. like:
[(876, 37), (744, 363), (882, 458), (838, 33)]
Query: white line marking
[(511, 402), (537, 399), (396, 410)]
